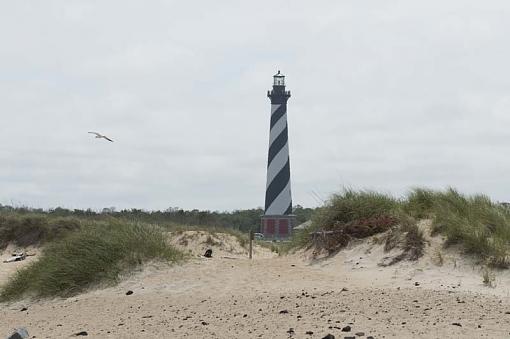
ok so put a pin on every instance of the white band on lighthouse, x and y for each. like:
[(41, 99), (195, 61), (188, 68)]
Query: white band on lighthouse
[(277, 164), (277, 128)]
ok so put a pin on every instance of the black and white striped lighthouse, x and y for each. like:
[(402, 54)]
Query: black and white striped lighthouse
[(278, 220)]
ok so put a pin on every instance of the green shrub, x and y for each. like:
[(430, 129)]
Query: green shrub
[(97, 253), (33, 229)]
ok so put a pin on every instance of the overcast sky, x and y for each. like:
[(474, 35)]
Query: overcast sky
[(386, 95)]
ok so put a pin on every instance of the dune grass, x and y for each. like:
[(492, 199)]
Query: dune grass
[(300, 239), (406, 235), (33, 229), (97, 253), (349, 215), (480, 226), (351, 205)]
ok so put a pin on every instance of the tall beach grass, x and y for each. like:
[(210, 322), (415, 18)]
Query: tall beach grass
[(96, 253), (478, 225)]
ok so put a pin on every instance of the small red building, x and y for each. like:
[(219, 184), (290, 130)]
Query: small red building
[(277, 226)]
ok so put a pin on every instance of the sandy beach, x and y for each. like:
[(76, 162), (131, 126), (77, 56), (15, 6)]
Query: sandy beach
[(230, 296)]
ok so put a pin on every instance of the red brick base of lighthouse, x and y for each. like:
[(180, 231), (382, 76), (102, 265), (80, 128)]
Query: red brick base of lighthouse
[(277, 226)]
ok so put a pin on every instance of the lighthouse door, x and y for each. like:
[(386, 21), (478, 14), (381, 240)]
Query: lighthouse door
[(270, 227), (283, 227)]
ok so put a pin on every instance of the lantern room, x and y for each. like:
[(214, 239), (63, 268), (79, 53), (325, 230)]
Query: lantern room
[(278, 79)]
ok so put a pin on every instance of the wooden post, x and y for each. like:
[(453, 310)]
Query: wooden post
[(251, 243)]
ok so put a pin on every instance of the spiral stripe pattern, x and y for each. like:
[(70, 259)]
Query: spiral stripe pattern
[(278, 194)]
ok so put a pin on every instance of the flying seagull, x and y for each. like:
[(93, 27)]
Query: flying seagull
[(100, 136)]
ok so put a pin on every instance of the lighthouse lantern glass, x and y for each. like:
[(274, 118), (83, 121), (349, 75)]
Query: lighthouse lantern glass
[(279, 80)]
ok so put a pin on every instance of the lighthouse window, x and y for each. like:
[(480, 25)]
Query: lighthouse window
[(279, 81), (283, 227), (270, 226)]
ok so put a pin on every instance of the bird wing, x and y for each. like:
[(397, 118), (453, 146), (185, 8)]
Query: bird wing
[(108, 138), (99, 135)]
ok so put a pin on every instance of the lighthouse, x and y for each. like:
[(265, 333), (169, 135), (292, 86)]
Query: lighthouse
[(278, 220)]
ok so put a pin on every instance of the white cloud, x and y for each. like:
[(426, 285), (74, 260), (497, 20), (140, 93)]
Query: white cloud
[(386, 95)]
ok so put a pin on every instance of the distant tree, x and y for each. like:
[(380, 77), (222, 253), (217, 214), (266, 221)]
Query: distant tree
[(302, 214), (59, 211), (242, 220), (107, 210)]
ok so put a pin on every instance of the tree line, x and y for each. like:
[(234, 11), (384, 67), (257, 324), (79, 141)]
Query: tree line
[(242, 220)]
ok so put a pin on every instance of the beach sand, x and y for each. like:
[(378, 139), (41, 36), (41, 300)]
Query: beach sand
[(230, 296)]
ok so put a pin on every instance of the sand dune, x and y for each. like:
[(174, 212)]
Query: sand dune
[(229, 296)]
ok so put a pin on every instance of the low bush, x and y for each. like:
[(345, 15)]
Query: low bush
[(33, 229)]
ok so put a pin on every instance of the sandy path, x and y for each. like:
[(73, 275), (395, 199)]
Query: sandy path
[(238, 298), (7, 270)]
